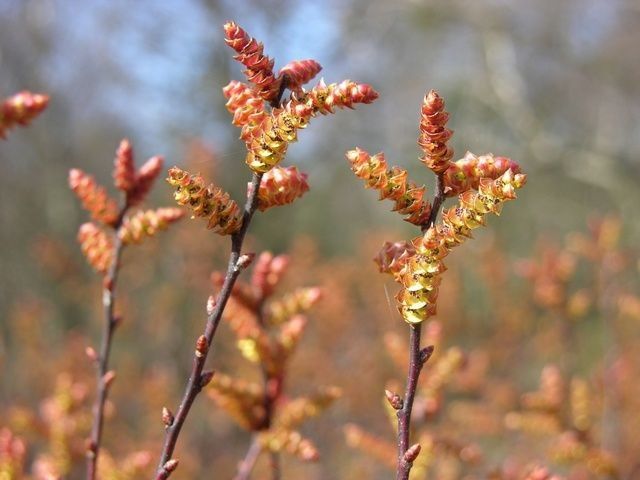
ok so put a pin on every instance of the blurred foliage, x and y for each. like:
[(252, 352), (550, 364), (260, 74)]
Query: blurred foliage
[(550, 84)]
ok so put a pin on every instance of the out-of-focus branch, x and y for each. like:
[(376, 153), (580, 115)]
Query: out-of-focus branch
[(105, 376)]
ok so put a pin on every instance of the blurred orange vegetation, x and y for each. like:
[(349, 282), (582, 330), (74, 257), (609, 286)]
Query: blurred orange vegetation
[(543, 390)]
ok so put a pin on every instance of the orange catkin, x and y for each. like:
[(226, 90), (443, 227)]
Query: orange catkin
[(96, 246), (147, 223), (250, 53), (281, 186), (433, 133), (214, 204), (93, 197), (20, 109)]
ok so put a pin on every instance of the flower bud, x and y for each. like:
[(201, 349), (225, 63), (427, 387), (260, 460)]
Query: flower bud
[(167, 417)]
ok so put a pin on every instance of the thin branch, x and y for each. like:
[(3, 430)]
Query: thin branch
[(438, 200), (284, 81), (404, 414), (417, 358), (245, 467), (274, 463), (197, 378), (105, 376)]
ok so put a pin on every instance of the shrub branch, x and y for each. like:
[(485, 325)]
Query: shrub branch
[(196, 378)]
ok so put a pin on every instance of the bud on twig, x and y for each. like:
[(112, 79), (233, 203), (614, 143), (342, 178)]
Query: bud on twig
[(205, 378), (117, 321), (168, 468), (167, 417), (91, 354), (425, 354), (394, 399), (245, 260), (412, 453), (108, 378), (90, 448), (211, 304), (202, 346)]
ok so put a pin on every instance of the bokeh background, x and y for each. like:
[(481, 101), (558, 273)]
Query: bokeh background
[(553, 85)]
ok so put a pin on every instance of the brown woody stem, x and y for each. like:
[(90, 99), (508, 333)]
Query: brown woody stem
[(438, 200), (404, 414), (274, 463), (194, 384), (245, 467), (417, 358), (104, 378)]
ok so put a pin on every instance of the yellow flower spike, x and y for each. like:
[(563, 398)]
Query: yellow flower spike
[(146, 224), (96, 246), (248, 348), (580, 401), (420, 276), (223, 214), (295, 412), (392, 184)]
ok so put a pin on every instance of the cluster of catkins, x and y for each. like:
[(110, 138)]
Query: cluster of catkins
[(63, 418), (96, 243), (20, 109), (268, 330), (563, 410), (267, 126), (482, 183)]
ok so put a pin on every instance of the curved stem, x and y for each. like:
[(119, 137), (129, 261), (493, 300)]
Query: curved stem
[(195, 382), (104, 376)]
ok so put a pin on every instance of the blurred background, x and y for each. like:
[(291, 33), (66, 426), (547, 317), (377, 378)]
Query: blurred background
[(553, 85)]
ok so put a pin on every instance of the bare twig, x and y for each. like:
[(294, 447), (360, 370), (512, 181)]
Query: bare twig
[(274, 463), (105, 376), (417, 358), (245, 467), (197, 378)]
